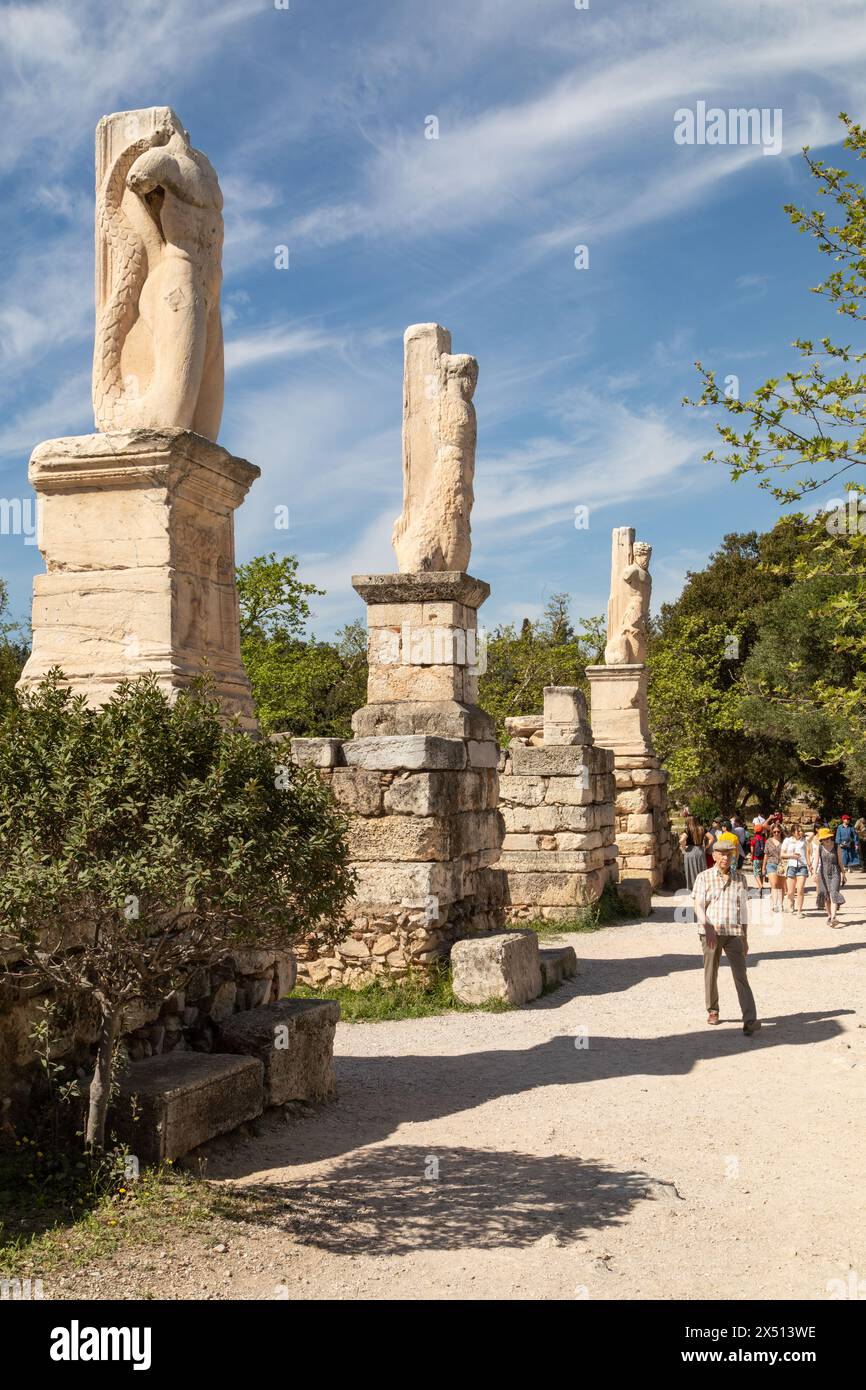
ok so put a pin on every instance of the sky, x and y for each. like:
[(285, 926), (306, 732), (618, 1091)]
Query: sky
[(556, 128)]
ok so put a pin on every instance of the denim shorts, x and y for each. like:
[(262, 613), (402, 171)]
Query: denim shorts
[(796, 871), (772, 868)]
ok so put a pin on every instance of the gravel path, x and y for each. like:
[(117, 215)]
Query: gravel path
[(602, 1142)]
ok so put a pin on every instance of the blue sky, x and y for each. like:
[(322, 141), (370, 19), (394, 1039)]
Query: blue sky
[(555, 129)]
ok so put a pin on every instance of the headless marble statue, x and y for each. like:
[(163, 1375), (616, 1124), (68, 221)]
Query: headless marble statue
[(439, 435), (158, 358), (628, 608)]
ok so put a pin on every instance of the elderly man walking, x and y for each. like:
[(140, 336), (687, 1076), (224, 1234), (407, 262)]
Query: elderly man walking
[(721, 907)]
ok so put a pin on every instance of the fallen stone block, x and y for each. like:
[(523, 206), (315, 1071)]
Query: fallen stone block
[(504, 966), (638, 894), (294, 1042), (182, 1099), (558, 963), (317, 752)]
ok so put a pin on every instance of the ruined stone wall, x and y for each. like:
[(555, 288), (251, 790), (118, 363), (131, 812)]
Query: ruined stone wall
[(557, 799), (187, 1020), (424, 830)]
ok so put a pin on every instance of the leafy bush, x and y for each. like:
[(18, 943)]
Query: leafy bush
[(139, 839)]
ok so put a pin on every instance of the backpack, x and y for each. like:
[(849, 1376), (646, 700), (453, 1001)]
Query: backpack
[(757, 845)]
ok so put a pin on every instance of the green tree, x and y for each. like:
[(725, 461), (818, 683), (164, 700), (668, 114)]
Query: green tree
[(13, 651), (139, 839), (812, 422), (812, 419), (548, 651), (301, 685)]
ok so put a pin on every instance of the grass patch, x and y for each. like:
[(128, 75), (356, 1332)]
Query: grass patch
[(417, 996), (56, 1213), (609, 909)]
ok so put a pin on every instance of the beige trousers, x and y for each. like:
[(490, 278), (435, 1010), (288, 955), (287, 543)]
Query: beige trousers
[(733, 949)]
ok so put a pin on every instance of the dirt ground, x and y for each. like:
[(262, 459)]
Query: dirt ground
[(600, 1143)]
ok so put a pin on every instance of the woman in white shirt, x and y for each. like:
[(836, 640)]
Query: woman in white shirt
[(796, 868)]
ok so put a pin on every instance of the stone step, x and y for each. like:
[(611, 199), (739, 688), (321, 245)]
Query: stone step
[(182, 1099), (558, 963), (294, 1041)]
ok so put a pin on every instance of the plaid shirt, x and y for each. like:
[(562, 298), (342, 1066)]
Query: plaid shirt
[(722, 901)]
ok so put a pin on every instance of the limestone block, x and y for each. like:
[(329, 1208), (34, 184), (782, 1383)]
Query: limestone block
[(398, 838), (317, 752), (183, 1099), (411, 885), (569, 791), (422, 793), (637, 892), (648, 776), (387, 684), (640, 825), (547, 762), (412, 753), (294, 1041), (619, 708), (632, 801), (565, 717), (637, 861), (505, 966), (524, 726), (442, 718), (137, 532), (477, 789), (482, 754), (523, 820), (475, 831), (558, 963), (550, 888), (522, 791), (574, 861), (426, 586), (358, 790)]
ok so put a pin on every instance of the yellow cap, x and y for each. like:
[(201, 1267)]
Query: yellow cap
[(727, 841), (824, 833)]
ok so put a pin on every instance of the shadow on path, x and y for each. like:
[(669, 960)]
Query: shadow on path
[(378, 1094), (395, 1199)]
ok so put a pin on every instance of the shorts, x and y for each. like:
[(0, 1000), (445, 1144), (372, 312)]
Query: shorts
[(796, 871), (772, 868)]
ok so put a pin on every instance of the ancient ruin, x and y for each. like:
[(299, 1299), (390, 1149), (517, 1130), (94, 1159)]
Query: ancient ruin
[(557, 792), (420, 776), (647, 848), (136, 522)]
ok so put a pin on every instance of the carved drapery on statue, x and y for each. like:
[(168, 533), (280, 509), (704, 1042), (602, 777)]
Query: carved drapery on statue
[(439, 437), (629, 604), (158, 352)]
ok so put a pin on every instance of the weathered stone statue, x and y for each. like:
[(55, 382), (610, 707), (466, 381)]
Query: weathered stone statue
[(628, 608), (439, 437), (158, 356), (136, 522)]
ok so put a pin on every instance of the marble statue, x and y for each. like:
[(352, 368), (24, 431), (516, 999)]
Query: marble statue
[(439, 435), (158, 356), (628, 608)]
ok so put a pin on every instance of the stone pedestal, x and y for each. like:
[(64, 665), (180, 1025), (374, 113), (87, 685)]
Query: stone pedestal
[(646, 845), (419, 782), (137, 534), (557, 796)]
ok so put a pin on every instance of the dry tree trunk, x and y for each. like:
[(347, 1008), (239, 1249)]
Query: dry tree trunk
[(100, 1086)]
